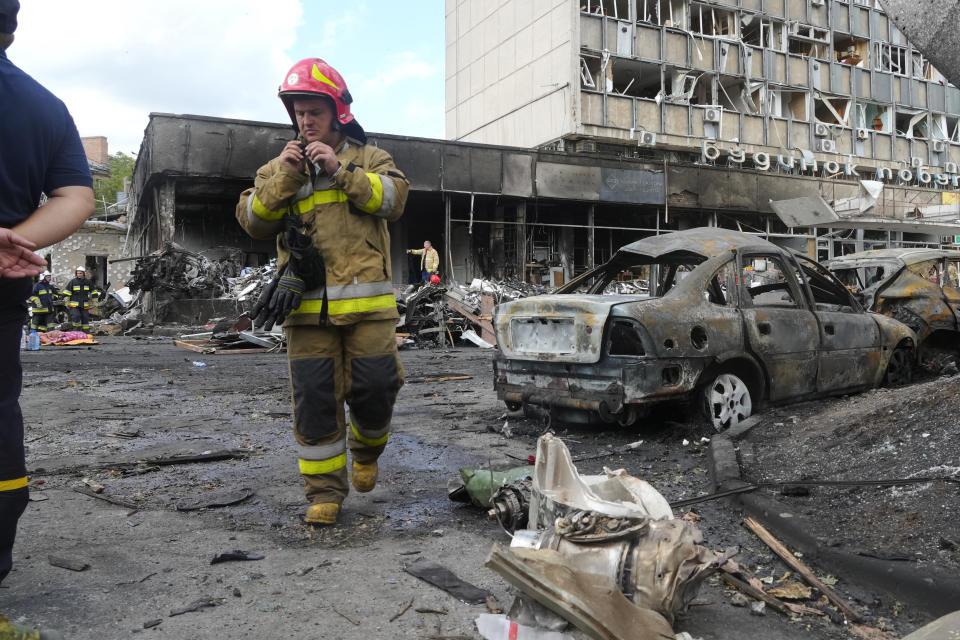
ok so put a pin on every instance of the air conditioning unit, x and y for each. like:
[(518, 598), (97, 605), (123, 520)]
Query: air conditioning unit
[(863, 134), (821, 130), (648, 138), (939, 146), (826, 146), (712, 114), (915, 162)]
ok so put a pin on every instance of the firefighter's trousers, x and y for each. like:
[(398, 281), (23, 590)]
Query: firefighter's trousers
[(80, 318), (41, 321), (329, 366), (13, 470)]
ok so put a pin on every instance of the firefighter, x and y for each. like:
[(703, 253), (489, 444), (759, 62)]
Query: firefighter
[(41, 302), (78, 294), (429, 260), (328, 198)]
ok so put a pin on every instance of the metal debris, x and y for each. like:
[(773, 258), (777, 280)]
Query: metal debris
[(236, 556), (443, 578)]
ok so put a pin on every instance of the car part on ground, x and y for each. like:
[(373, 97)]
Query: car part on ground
[(725, 313)]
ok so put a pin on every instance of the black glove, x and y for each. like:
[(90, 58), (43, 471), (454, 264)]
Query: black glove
[(262, 314), (286, 297)]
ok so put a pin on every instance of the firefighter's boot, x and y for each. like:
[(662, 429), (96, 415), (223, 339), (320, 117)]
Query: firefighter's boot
[(363, 476), (322, 513), (13, 631)]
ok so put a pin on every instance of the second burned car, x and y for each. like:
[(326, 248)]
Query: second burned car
[(728, 321)]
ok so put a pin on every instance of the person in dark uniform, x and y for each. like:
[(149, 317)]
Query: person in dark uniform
[(40, 153)]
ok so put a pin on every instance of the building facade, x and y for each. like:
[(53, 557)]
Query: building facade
[(822, 88)]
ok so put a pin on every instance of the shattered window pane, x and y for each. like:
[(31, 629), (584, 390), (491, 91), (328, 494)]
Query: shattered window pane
[(718, 288), (765, 283), (829, 293)]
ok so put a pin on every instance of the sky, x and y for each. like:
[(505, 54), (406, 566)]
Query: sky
[(115, 61)]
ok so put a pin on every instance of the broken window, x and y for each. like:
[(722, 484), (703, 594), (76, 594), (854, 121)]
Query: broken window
[(890, 57), (808, 40), (765, 284), (832, 110), (911, 123), (711, 21), (619, 9), (669, 13), (851, 50), (759, 32), (737, 94), (634, 78), (783, 103), (874, 117), (683, 87), (720, 285), (939, 128), (590, 73), (829, 294)]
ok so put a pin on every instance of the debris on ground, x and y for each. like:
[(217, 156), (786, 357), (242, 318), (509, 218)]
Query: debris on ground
[(236, 556), (604, 552), (215, 499), (500, 627), (445, 579), (439, 314), (73, 564), (479, 485), (202, 603), (68, 338)]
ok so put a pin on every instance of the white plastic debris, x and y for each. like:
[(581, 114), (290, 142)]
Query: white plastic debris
[(472, 336), (499, 627), (686, 442)]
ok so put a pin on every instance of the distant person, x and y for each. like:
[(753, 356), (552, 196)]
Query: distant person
[(41, 302), (327, 198), (78, 293), (40, 152), (429, 261)]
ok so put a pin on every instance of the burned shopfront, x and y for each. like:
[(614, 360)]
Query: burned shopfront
[(502, 213)]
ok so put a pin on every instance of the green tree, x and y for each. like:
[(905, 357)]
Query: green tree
[(105, 189)]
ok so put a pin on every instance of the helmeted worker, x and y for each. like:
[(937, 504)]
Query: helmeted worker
[(41, 302), (40, 153), (328, 198), (429, 260), (78, 294)]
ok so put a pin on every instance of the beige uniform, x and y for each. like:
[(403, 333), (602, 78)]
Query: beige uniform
[(352, 358)]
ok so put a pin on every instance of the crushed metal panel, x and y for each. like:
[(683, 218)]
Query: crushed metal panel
[(631, 185), (571, 181), (518, 175), (783, 188), (808, 211)]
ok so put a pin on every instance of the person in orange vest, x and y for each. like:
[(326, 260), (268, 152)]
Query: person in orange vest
[(328, 198)]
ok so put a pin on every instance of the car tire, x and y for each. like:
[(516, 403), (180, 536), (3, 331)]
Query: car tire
[(726, 401), (513, 406), (900, 368)]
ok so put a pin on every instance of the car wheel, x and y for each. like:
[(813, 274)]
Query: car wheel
[(513, 406), (900, 368), (727, 401)]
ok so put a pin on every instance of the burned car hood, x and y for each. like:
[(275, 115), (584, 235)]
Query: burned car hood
[(559, 328)]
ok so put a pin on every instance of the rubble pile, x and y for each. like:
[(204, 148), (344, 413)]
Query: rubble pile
[(180, 273), (440, 314)]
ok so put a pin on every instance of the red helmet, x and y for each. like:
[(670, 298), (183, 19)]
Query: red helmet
[(312, 77), (434, 279)]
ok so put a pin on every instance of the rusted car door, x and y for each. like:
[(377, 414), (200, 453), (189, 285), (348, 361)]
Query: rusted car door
[(849, 338), (780, 328)]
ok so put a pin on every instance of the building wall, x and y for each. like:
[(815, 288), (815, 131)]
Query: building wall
[(96, 149), (509, 70), (72, 252)]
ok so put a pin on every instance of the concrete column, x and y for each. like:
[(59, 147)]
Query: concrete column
[(591, 236), (497, 250), (447, 238), (522, 239), (167, 212)]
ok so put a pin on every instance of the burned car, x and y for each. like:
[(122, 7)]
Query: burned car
[(728, 321), (919, 287)]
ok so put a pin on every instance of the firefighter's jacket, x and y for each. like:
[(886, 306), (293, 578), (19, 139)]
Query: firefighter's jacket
[(79, 292), (41, 299), (347, 216), (429, 259)]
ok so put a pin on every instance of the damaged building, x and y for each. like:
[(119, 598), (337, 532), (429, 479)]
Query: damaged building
[(578, 127)]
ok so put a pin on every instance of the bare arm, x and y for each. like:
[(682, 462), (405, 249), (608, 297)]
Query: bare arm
[(16, 259), (66, 209)]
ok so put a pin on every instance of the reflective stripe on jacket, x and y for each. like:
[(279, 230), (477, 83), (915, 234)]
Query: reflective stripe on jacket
[(347, 216), (41, 299), (80, 291), (429, 259)]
